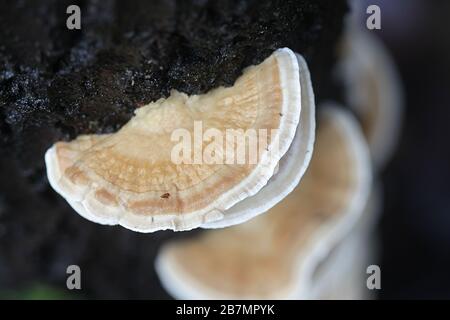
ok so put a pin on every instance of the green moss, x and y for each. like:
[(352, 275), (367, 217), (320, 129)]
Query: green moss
[(36, 292)]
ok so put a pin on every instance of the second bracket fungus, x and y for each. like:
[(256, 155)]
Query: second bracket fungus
[(373, 90), (275, 255), (168, 168)]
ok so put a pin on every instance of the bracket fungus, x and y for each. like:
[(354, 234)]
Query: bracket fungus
[(274, 255), (130, 177), (373, 90)]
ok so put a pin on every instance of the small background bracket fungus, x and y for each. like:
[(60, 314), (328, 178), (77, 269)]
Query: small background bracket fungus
[(275, 255), (123, 178), (373, 91)]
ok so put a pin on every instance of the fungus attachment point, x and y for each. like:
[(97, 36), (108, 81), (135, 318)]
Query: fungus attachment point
[(130, 177), (274, 255)]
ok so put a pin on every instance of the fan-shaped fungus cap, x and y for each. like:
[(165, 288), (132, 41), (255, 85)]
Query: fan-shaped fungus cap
[(373, 91), (130, 177), (272, 255), (291, 167)]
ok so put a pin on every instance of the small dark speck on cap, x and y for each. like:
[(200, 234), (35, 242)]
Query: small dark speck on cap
[(165, 195)]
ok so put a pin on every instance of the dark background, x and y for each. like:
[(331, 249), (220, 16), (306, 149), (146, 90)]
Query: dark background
[(415, 227)]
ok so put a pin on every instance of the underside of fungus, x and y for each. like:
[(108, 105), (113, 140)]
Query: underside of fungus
[(373, 91), (274, 255), (130, 177)]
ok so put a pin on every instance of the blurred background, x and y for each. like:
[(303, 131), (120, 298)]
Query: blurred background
[(415, 225), (414, 230)]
